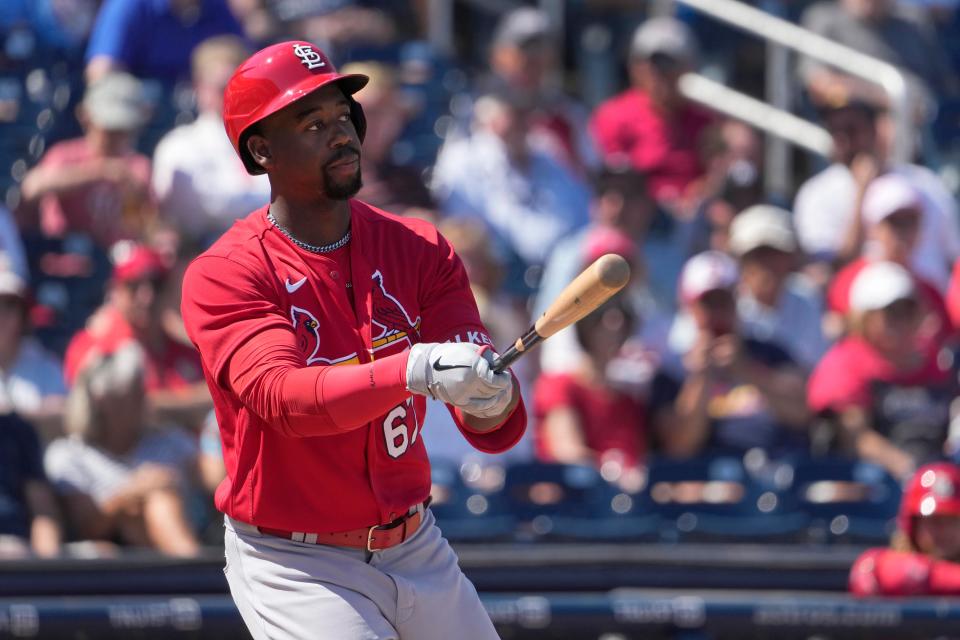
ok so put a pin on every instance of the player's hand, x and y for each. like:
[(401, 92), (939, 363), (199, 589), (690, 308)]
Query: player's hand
[(459, 373)]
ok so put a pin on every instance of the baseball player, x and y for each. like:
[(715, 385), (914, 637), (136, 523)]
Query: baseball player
[(322, 324)]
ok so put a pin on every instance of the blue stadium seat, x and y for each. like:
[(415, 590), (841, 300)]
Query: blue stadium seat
[(574, 502), (848, 500), (715, 499), (465, 513)]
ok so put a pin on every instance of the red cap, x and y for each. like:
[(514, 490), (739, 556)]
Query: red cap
[(136, 262), (274, 78), (933, 490)]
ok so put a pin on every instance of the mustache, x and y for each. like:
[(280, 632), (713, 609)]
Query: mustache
[(346, 153)]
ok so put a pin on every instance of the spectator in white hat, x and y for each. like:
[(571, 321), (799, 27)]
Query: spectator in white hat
[(733, 393), (887, 390), (773, 302), (893, 214)]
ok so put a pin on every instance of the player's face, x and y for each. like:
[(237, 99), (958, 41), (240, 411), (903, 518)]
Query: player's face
[(939, 536), (313, 147)]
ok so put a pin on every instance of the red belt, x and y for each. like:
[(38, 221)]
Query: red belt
[(375, 538)]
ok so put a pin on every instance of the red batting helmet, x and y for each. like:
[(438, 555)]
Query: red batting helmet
[(275, 77), (933, 490)]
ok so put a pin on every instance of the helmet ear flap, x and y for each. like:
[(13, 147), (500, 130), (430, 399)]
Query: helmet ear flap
[(359, 119)]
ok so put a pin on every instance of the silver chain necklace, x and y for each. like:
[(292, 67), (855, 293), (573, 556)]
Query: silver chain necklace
[(312, 248)]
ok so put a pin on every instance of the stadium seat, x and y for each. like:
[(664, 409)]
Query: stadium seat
[(715, 499), (849, 501), (466, 513), (574, 502)]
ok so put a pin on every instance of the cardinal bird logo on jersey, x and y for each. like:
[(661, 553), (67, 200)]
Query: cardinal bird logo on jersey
[(307, 329), (389, 317)]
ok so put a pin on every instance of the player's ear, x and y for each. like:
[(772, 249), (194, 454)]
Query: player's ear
[(259, 149)]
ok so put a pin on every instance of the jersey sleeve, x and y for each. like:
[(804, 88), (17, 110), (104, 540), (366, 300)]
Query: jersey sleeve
[(450, 314), (224, 304), (249, 347)]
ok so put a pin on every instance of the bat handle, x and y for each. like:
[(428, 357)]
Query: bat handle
[(506, 359), (523, 344)]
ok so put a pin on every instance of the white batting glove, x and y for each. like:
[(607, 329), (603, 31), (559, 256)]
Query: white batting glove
[(459, 373)]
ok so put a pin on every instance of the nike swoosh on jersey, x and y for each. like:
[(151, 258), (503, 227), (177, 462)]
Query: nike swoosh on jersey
[(293, 286), (446, 367)]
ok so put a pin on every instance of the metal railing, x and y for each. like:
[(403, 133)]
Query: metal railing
[(782, 35), (757, 113)]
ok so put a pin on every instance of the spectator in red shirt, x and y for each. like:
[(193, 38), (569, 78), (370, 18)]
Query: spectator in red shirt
[(651, 124), (97, 184), (598, 414), (886, 388), (892, 212), (173, 377), (924, 555)]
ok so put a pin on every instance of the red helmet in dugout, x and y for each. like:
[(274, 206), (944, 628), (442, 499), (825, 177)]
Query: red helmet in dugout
[(933, 490), (276, 77)]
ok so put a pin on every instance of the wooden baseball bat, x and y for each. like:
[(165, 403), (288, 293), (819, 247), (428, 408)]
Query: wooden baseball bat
[(594, 286)]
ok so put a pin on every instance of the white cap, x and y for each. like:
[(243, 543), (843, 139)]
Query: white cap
[(880, 284), (665, 35), (705, 272), (762, 225), (522, 26), (116, 102), (888, 194)]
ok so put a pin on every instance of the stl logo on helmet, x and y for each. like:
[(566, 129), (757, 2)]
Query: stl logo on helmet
[(310, 58)]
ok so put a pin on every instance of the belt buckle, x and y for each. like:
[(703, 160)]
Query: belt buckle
[(370, 531)]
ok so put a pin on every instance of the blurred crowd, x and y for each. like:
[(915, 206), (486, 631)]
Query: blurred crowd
[(824, 323)]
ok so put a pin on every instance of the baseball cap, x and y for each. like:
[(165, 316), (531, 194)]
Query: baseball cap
[(888, 194), (116, 102), (880, 284), (707, 271), (132, 261), (522, 26), (666, 36), (762, 225)]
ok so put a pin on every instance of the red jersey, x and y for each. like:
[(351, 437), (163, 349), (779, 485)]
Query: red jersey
[(295, 320), (611, 420), (664, 148), (911, 408), (897, 573), (174, 366)]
